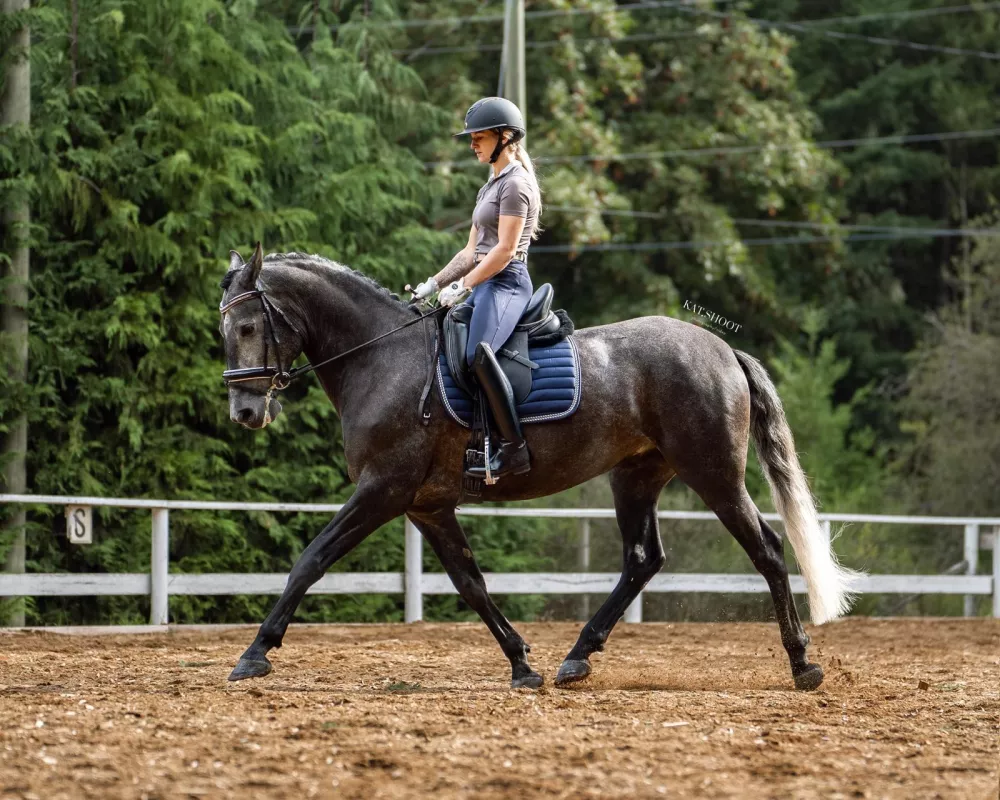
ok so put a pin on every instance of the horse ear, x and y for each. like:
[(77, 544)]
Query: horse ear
[(235, 260), (256, 262)]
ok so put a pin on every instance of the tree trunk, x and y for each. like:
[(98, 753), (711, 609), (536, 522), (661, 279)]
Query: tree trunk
[(15, 109)]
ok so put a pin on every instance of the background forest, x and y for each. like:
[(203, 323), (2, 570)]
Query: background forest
[(836, 196)]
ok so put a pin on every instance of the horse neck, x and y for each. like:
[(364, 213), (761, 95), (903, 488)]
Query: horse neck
[(339, 310)]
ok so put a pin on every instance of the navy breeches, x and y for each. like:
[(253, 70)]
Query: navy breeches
[(498, 304)]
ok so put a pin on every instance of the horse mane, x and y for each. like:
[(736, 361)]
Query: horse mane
[(316, 263)]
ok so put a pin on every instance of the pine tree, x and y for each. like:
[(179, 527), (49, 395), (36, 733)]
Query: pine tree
[(166, 134)]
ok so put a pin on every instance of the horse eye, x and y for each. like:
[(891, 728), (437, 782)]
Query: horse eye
[(247, 330)]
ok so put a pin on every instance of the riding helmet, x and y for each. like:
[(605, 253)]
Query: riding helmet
[(494, 113)]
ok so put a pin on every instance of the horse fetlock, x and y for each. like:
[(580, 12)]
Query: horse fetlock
[(795, 645), (517, 651), (266, 640)]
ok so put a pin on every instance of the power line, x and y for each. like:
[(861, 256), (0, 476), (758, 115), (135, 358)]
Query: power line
[(910, 14), (608, 212), (757, 242), (808, 26), (547, 43), (946, 232), (774, 223), (698, 152), (812, 29), (649, 5)]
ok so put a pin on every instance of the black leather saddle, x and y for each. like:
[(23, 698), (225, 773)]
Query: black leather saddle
[(538, 321)]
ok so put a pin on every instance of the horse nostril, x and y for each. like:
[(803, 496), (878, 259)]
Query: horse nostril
[(244, 415)]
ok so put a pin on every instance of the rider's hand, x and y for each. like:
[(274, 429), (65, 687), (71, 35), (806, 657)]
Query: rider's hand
[(425, 289), (454, 293)]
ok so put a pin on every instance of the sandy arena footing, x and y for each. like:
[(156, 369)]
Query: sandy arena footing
[(909, 709)]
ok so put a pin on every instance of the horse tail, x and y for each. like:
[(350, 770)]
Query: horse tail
[(828, 583)]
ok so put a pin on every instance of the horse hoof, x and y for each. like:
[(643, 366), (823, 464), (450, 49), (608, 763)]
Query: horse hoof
[(810, 679), (530, 681), (249, 668), (572, 671)]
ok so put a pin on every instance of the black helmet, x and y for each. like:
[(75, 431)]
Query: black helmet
[(494, 113)]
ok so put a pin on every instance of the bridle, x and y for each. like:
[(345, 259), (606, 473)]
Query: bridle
[(279, 376)]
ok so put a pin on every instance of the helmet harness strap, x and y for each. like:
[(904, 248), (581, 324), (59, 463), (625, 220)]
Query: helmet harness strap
[(499, 146)]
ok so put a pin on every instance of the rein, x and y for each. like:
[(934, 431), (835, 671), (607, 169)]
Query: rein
[(281, 378)]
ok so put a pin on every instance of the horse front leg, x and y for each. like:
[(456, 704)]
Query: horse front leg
[(370, 507), (445, 535)]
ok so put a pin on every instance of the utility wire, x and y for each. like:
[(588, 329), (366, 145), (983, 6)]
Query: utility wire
[(774, 223), (757, 242), (902, 229), (807, 26), (812, 29), (547, 43), (698, 152), (649, 5), (913, 13)]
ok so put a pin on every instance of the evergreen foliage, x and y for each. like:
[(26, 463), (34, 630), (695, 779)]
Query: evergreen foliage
[(192, 128), (165, 134)]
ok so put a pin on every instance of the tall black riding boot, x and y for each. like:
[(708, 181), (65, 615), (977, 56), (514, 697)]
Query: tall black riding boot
[(511, 456)]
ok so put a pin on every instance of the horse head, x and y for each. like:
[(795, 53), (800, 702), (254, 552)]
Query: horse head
[(260, 343)]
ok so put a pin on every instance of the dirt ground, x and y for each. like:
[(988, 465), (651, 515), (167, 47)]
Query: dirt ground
[(909, 708)]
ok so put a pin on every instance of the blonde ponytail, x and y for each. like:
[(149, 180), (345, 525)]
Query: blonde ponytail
[(520, 154)]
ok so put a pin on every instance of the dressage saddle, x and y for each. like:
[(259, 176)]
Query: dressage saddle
[(537, 323)]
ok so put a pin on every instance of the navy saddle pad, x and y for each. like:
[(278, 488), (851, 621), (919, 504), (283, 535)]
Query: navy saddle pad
[(555, 386)]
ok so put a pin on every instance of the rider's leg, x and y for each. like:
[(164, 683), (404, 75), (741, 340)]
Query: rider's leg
[(497, 306), (499, 303), (512, 453)]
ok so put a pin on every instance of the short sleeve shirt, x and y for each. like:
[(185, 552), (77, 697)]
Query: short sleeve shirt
[(512, 193)]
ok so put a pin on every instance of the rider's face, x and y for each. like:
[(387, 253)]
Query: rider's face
[(482, 145)]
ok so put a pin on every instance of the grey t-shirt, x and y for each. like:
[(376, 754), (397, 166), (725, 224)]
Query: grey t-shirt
[(513, 193)]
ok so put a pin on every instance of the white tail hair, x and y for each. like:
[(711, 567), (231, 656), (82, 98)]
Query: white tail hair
[(829, 584)]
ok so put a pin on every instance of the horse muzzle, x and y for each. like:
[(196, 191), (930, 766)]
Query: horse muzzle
[(253, 411)]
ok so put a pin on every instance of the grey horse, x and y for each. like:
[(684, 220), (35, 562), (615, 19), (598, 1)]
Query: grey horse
[(661, 398)]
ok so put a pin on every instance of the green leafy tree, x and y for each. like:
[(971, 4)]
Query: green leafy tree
[(858, 88), (953, 404)]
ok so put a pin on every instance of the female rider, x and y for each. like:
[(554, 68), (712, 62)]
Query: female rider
[(493, 265)]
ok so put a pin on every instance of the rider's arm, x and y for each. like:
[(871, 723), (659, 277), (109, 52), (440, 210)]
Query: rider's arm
[(461, 264), (508, 235)]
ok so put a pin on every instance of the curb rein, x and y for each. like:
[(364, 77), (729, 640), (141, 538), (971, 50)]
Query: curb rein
[(282, 378)]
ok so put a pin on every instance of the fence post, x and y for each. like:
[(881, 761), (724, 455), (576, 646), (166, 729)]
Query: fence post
[(159, 568), (583, 561), (996, 571), (634, 612), (413, 599), (824, 525), (971, 554)]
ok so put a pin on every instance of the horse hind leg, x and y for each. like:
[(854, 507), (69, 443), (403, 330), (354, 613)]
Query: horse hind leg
[(636, 484), (765, 548)]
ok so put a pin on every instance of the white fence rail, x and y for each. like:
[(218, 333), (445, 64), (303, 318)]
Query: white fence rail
[(413, 583)]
